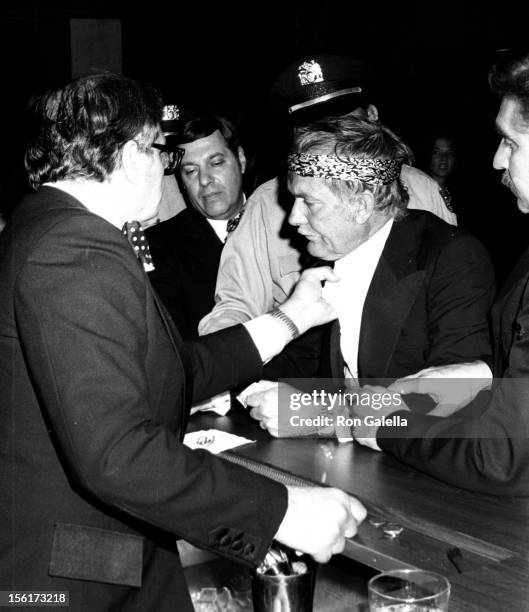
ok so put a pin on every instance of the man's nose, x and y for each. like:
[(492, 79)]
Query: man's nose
[(500, 161), (204, 177), (297, 215)]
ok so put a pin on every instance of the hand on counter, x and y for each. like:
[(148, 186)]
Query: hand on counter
[(318, 520), (383, 403), (272, 407), (265, 408), (451, 386)]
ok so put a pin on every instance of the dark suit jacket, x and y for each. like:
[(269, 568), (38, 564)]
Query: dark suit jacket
[(94, 389), (186, 254), (427, 303), (490, 454)]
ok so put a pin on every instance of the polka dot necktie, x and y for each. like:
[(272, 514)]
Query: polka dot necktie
[(233, 223), (133, 232)]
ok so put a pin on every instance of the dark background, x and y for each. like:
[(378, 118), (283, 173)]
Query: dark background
[(433, 59)]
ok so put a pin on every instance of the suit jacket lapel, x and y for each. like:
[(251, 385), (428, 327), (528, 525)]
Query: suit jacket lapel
[(390, 297), (337, 362), (199, 240), (505, 310), (519, 271)]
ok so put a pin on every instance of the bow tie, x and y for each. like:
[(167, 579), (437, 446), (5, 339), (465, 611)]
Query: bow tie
[(136, 237), (233, 223)]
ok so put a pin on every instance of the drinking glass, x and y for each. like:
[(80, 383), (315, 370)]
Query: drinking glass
[(408, 591)]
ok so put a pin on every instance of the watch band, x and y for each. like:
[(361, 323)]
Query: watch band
[(278, 314)]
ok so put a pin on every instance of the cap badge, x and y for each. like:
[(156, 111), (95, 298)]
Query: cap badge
[(171, 112), (310, 72)]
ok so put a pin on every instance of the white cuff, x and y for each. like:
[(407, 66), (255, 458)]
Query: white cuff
[(369, 442), (220, 404), (269, 335)]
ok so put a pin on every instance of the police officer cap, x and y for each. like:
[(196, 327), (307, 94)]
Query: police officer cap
[(175, 117), (171, 119), (322, 85)]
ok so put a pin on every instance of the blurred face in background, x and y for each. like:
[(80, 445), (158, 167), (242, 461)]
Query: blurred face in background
[(443, 159), (211, 174)]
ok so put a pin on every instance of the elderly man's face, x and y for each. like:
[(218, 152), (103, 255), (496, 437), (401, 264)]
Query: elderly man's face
[(512, 155), (212, 176), (324, 218)]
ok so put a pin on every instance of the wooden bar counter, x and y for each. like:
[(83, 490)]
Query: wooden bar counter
[(490, 570)]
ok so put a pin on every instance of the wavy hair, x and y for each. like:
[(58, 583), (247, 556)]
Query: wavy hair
[(510, 77), (78, 131), (201, 127), (347, 137)]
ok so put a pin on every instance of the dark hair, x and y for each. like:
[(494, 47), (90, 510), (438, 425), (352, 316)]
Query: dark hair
[(348, 137), (510, 77), (80, 129), (201, 127)]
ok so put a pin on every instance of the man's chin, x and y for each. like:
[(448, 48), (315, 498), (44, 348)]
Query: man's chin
[(523, 206), (218, 210), (316, 250)]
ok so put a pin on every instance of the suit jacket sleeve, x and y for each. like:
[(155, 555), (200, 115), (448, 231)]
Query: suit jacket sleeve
[(84, 313), (490, 454), (227, 359), (460, 294)]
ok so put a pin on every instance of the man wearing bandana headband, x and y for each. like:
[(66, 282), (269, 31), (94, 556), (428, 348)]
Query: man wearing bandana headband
[(260, 264), (489, 454), (414, 292)]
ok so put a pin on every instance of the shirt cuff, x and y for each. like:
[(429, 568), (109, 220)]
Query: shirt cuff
[(481, 370), (369, 442), (220, 404), (269, 335)]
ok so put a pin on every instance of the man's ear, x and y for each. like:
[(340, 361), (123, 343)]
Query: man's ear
[(130, 161), (242, 158), (364, 206)]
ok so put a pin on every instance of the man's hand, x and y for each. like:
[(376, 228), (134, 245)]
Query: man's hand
[(305, 306), (265, 408), (318, 520), (382, 403), (272, 407), (451, 387)]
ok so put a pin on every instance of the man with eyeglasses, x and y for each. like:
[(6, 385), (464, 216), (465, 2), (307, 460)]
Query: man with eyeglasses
[(96, 382)]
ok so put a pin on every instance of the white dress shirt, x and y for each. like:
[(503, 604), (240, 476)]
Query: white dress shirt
[(348, 295), (220, 227)]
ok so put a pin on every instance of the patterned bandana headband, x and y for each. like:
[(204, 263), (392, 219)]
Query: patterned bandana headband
[(370, 171)]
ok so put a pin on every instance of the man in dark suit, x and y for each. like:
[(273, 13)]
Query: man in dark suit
[(490, 454), (186, 249), (414, 292), (96, 382)]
